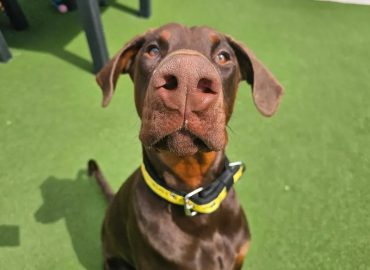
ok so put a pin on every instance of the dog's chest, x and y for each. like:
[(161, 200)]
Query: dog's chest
[(182, 242), (188, 250)]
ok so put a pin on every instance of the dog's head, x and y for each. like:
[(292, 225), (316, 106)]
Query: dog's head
[(185, 85)]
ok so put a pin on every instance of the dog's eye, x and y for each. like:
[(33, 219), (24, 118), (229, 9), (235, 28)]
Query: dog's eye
[(153, 51), (222, 57)]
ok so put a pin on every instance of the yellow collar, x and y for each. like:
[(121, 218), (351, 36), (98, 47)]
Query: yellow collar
[(201, 200)]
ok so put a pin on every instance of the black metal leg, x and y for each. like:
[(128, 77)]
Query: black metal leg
[(90, 18), (15, 14), (4, 50), (145, 8), (102, 2)]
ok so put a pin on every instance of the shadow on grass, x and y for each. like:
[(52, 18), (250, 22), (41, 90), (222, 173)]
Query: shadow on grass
[(9, 236), (80, 203), (50, 32), (125, 8)]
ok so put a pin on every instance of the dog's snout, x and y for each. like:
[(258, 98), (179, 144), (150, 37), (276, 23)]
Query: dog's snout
[(170, 82), (205, 85), (187, 82)]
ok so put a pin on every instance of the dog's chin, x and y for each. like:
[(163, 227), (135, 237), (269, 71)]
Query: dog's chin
[(182, 143)]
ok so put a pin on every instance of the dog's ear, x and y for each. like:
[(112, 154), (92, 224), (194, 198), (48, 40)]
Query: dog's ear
[(122, 62), (266, 89)]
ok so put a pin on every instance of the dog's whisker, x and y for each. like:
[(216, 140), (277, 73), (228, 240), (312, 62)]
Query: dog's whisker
[(231, 130)]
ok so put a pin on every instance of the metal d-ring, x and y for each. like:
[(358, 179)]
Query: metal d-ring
[(237, 163), (188, 206)]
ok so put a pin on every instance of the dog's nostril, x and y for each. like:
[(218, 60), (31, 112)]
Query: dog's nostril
[(205, 85), (170, 82)]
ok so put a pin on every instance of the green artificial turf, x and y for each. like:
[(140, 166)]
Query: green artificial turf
[(306, 192)]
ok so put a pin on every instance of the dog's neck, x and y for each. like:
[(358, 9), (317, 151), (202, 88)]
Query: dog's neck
[(186, 173)]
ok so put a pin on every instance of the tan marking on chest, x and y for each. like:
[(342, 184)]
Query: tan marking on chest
[(191, 170), (239, 259)]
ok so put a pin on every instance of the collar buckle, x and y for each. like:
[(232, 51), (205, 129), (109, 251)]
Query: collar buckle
[(188, 204), (237, 163)]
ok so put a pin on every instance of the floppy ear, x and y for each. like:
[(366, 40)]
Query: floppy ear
[(121, 63), (266, 89)]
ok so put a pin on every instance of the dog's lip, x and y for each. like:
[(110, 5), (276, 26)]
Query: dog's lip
[(200, 142)]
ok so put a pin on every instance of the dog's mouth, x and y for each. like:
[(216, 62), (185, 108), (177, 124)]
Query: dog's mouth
[(182, 143)]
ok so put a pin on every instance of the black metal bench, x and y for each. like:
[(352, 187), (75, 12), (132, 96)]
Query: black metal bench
[(89, 14), (4, 50), (17, 19)]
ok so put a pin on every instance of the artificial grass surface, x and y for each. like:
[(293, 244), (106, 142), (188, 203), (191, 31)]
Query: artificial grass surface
[(306, 192)]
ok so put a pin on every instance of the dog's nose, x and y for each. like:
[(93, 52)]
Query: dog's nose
[(187, 81)]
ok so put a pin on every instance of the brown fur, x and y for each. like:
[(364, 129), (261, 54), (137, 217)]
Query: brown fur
[(185, 82)]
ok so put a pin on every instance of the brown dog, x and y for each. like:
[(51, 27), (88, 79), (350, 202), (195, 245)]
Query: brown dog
[(185, 82)]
